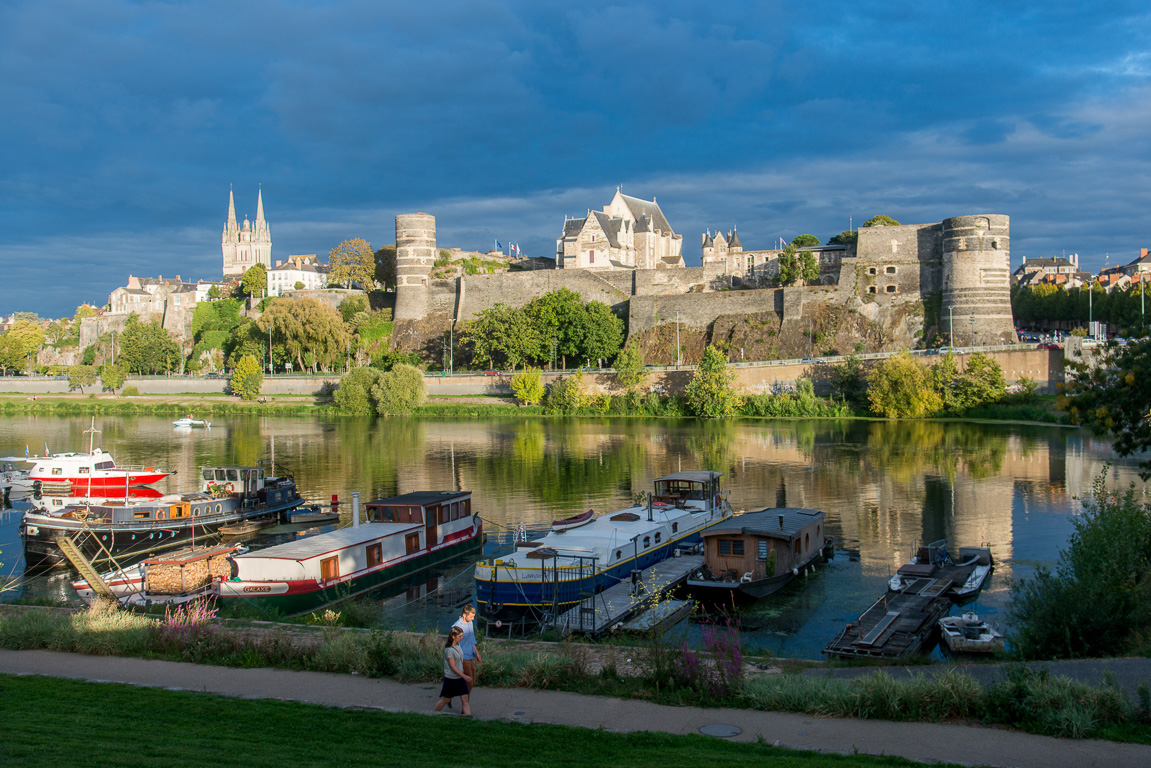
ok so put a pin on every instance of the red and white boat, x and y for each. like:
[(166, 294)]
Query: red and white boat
[(85, 474)]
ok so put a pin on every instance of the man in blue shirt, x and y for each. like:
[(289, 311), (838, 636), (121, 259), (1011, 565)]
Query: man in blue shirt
[(468, 643)]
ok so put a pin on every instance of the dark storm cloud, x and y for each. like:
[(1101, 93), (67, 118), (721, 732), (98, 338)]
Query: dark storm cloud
[(125, 123)]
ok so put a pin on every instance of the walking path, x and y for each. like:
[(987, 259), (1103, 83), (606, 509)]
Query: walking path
[(924, 742)]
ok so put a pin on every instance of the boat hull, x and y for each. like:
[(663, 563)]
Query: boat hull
[(131, 539), (755, 589), (293, 597), (524, 599)]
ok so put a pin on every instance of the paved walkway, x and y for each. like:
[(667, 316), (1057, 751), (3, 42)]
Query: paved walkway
[(924, 742)]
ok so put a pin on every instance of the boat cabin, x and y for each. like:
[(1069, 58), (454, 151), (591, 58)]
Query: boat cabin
[(680, 487), (760, 545), (435, 510)]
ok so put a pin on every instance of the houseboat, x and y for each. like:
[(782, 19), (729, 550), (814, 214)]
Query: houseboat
[(759, 552), (404, 535), (169, 577), (134, 528), (959, 578), (579, 558)]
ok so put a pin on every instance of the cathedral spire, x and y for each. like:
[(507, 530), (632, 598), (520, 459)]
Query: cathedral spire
[(260, 206), (231, 209)]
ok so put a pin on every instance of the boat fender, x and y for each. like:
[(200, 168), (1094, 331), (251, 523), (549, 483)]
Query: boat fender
[(794, 571)]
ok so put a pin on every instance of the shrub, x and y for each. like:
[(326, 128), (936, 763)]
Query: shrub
[(711, 391), (354, 394), (399, 391), (565, 395), (130, 391), (247, 378), (114, 377), (528, 386), (901, 387)]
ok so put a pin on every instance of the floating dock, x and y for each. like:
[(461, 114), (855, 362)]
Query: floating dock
[(599, 613), (897, 625)]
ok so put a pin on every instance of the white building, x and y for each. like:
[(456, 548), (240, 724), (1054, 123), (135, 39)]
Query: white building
[(628, 234), (297, 269)]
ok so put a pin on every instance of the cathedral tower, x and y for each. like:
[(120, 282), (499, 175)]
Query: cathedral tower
[(247, 245)]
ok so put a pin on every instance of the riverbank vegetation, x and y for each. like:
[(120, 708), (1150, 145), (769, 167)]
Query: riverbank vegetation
[(720, 675), (51, 721)]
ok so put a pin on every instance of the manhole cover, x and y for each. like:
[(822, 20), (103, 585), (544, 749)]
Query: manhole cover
[(722, 730)]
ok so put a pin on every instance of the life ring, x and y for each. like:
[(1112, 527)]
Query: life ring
[(229, 488), (149, 469), (161, 515), (659, 504)]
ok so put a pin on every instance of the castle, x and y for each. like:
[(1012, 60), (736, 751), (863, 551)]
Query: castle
[(628, 234), (244, 247), (906, 281)]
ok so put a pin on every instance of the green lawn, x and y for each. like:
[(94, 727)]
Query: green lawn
[(49, 721)]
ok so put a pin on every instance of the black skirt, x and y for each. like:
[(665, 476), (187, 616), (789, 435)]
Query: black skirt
[(453, 686)]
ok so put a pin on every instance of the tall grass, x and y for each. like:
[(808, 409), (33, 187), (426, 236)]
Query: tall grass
[(1033, 701)]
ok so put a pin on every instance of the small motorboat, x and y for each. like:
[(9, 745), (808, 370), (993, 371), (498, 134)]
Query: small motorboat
[(310, 514), (188, 421), (932, 566), (970, 634), (575, 521)]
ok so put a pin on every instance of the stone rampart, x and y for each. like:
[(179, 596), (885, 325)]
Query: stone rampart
[(697, 310)]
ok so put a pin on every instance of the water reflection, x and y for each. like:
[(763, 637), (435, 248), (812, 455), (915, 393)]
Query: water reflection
[(884, 485)]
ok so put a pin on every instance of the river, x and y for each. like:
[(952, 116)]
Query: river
[(884, 485)]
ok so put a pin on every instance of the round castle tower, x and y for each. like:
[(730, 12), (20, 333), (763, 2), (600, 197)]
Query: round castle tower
[(415, 256), (977, 279)]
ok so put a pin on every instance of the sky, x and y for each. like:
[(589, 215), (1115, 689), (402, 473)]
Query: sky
[(126, 123)]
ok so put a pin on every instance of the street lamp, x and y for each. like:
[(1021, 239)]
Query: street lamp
[(678, 356)]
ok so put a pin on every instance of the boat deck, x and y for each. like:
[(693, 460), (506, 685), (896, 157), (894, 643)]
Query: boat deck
[(618, 603), (895, 626)]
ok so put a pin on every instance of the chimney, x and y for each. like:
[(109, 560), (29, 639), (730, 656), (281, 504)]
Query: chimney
[(278, 262)]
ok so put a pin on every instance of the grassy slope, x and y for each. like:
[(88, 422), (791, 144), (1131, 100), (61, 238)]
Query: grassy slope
[(66, 722)]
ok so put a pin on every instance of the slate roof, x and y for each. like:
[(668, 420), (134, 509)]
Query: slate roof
[(733, 241), (610, 227), (640, 208)]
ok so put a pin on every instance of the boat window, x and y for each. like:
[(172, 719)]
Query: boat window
[(763, 549), (445, 514), (207, 473), (674, 527), (806, 541), (797, 548), (140, 515), (731, 546), (617, 554), (330, 568), (218, 509), (260, 474), (57, 471), (375, 554), (646, 542), (220, 476), (233, 475), (658, 536), (83, 470), (412, 543), (105, 465)]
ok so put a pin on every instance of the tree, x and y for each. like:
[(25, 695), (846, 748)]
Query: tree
[(352, 261), (354, 395), (802, 241), (850, 380), (846, 237), (945, 380), (528, 386), (301, 325), (80, 376), (299, 286), (504, 334), (901, 387), (385, 272), (399, 391), (255, 280), (214, 292), (558, 317), (1113, 394), (19, 344), (630, 371), (114, 377), (248, 378), (981, 382), (789, 268), (602, 332), (711, 391), (1096, 601), (881, 220), (808, 266), (566, 394), (147, 348)]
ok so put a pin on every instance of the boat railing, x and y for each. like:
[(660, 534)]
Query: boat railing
[(873, 616)]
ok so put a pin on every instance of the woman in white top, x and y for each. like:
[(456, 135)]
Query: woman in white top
[(455, 681)]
